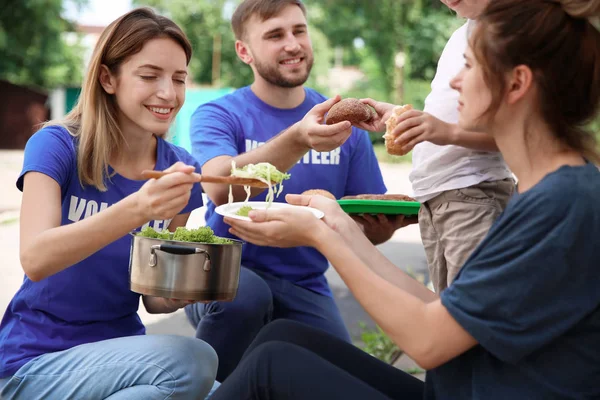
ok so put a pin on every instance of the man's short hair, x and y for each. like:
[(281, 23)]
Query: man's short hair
[(263, 9)]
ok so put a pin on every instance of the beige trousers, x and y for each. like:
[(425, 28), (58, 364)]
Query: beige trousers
[(454, 222)]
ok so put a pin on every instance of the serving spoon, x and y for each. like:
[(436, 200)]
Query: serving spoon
[(226, 180)]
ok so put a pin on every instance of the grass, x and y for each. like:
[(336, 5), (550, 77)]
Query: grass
[(378, 344), (415, 371), (383, 156)]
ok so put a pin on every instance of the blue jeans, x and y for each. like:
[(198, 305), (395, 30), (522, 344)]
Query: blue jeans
[(230, 327), (130, 368)]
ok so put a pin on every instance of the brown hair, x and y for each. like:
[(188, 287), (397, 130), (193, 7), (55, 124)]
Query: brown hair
[(557, 40), (264, 9), (93, 119)]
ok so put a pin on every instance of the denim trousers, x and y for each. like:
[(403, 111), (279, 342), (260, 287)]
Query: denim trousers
[(152, 367)]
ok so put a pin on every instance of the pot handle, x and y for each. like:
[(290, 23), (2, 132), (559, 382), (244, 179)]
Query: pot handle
[(180, 250)]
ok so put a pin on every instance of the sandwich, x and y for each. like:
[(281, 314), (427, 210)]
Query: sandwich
[(391, 147)]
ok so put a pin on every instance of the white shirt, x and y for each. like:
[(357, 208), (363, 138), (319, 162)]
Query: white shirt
[(436, 168)]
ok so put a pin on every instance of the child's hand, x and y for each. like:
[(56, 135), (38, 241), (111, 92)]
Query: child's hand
[(416, 126), (383, 110)]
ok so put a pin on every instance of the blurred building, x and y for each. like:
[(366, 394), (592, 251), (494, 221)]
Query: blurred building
[(22, 110)]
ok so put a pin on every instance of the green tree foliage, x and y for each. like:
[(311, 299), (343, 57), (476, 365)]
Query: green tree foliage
[(208, 29), (426, 40), (33, 50), (208, 26), (595, 128), (382, 28), (418, 28)]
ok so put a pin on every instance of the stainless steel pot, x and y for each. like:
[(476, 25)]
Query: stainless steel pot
[(184, 270)]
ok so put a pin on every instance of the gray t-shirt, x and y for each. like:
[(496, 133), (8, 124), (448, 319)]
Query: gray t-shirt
[(530, 295)]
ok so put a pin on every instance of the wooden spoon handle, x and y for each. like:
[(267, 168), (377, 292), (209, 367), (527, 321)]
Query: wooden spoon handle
[(226, 180)]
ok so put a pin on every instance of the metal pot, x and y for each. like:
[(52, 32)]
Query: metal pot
[(184, 270)]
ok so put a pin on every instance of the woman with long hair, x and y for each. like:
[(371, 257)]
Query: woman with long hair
[(522, 318), (72, 330)]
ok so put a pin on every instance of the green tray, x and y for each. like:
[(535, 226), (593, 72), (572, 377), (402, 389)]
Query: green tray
[(389, 207)]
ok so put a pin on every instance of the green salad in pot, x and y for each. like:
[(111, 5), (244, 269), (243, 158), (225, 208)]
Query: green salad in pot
[(204, 234)]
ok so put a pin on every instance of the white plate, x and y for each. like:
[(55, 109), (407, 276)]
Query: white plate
[(230, 210)]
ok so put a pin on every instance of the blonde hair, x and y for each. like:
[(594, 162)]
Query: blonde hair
[(93, 119)]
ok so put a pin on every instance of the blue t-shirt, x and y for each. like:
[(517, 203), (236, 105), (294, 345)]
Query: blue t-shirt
[(530, 295), (240, 122), (91, 300)]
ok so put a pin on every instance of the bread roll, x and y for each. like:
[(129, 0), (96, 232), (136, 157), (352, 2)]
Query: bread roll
[(322, 192), (349, 109), (391, 147), (390, 197)]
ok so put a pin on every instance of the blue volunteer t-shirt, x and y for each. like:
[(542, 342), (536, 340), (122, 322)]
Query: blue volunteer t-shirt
[(89, 301), (239, 122), (530, 295)]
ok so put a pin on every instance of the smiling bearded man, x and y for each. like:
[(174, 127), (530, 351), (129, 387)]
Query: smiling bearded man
[(301, 63)]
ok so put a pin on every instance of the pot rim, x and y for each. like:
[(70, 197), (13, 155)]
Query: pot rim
[(235, 241)]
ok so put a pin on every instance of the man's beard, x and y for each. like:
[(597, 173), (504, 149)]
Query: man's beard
[(275, 77)]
